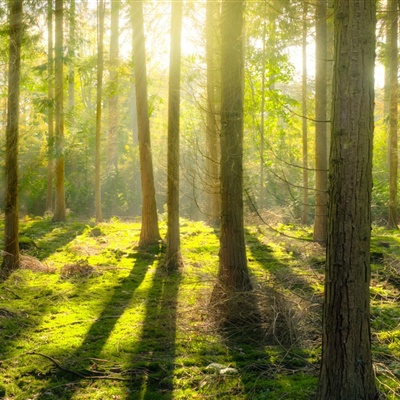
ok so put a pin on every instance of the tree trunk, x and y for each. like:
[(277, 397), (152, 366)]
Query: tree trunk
[(173, 253), (393, 113), (304, 214), (59, 212), (346, 369), (321, 141), (11, 247), (149, 233), (233, 273), (113, 98), (71, 57), (212, 124), (100, 66), (50, 107)]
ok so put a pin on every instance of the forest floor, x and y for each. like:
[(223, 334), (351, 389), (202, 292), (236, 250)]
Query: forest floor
[(92, 316)]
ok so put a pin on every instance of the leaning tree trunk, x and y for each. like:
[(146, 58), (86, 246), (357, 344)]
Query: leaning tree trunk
[(149, 233), (11, 247), (59, 211), (173, 253), (346, 368)]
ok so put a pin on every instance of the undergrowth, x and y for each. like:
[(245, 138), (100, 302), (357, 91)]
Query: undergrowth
[(92, 316)]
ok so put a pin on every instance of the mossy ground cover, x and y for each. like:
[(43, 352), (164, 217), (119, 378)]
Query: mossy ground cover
[(92, 316)]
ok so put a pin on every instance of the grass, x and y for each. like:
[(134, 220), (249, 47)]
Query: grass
[(99, 318)]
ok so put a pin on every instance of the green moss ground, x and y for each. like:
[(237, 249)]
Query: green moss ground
[(101, 319)]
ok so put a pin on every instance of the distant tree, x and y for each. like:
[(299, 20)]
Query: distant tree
[(173, 252), (71, 56), (50, 106), (113, 87), (305, 208), (392, 63), (100, 67), (212, 123), (233, 272), (149, 233), (321, 140), (60, 210), (346, 367), (11, 248)]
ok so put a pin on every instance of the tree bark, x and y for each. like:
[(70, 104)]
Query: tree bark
[(321, 140), (11, 257), (173, 258), (60, 211), (346, 368), (100, 67), (71, 57), (50, 107), (149, 233), (233, 271), (393, 113)]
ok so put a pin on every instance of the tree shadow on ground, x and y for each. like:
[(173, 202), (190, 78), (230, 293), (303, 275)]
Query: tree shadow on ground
[(153, 359), (81, 361)]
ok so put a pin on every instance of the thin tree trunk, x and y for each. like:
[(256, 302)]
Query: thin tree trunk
[(50, 108), (100, 64), (305, 208), (321, 140), (212, 127), (11, 248), (149, 233), (173, 253), (262, 119), (59, 212), (393, 113), (71, 57), (113, 98), (346, 367)]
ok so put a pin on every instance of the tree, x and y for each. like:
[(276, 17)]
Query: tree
[(50, 107), (233, 272), (100, 64), (11, 247), (393, 111), (173, 253), (59, 211), (346, 368), (212, 125), (149, 233), (71, 57), (304, 214), (321, 146)]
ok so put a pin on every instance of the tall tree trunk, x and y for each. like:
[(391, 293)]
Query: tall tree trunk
[(59, 212), (173, 253), (11, 248), (100, 66), (50, 107), (212, 125), (346, 368), (393, 113), (262, 111), (71, 57), (233, 272), (321, 140), (305, 208), (113, 98), (149, 233)]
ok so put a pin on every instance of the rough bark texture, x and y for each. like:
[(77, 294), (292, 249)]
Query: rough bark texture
[(50, 108), (113, 99), (233, 272), (212, 128), (346, 369), (173, 255), (11, 247), (149, 233), (393, 112), (321, 146), (59, 212), (100, 67)]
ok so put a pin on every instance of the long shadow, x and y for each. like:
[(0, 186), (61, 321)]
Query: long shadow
[(99, 331), (153, 360)]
